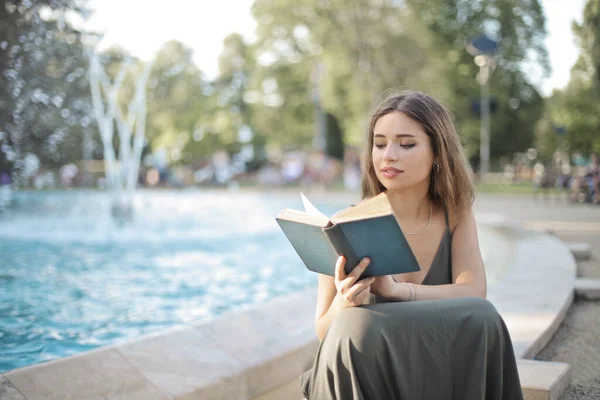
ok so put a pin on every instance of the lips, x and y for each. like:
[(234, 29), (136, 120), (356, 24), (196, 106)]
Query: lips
[(391, 172), (391, 169)]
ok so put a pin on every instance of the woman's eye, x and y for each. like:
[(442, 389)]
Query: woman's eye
[(380, 146), (407, 146)]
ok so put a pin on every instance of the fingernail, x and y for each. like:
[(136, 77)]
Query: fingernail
[(366, 259)]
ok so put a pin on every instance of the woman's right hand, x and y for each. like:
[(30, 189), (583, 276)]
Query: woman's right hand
[(350, 291)]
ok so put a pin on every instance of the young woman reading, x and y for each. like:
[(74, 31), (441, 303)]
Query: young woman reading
[(424, 335)]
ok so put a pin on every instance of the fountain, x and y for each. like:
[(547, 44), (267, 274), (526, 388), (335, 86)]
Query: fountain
[(122, 168)]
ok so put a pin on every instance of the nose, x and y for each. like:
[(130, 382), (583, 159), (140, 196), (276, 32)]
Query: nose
[(390, 153)]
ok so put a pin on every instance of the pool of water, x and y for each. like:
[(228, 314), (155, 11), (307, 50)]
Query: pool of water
[(72, 279)]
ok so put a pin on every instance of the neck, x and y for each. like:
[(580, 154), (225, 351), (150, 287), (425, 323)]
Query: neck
[(410, 204)]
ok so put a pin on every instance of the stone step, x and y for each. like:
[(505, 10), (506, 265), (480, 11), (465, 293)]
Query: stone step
[(543, 380), (581, 251), (587, 288)]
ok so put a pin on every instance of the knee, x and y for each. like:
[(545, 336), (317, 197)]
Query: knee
[(482, 312), (354, 324)]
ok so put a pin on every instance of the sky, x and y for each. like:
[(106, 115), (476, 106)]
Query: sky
[(142, 27)]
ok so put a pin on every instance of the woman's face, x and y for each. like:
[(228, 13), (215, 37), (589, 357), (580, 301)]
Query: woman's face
[(402, 154)]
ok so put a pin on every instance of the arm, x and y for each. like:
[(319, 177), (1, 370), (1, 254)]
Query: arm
[(468, 272), (324, 313), (340, 292)]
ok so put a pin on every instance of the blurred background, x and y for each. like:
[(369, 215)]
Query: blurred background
[(278, 93), (146, 147)]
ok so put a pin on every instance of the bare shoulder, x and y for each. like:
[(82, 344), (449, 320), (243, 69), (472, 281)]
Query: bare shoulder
[(465, 220)]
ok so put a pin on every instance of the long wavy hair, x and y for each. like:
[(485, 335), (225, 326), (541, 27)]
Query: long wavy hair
[(451, 186)]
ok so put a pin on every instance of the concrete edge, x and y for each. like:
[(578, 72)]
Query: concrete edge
[(534, 314), (541, 379), (581, 251), (547, 335), (531, 346), (561, 383), (587, 288)]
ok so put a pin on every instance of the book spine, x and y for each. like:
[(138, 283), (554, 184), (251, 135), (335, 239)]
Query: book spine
[(337, 238)]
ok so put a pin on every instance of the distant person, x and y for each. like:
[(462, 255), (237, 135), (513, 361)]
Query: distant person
[(586, 188), (429, 334)]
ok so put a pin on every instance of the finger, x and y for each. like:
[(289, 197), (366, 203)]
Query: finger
[(340, 273), (358, 270), (351, 293), (362, 295)]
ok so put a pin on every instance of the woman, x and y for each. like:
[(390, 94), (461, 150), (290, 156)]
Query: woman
[(428, 334)]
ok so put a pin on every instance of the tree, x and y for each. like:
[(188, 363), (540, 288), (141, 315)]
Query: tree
[(364, 47), (577, 107), (46, 103), (368, 47), (588, 37), (178, 101), (520, 29), (236, 101)]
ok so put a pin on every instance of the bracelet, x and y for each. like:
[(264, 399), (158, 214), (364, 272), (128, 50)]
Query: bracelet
[(412, 291), (409, 291)]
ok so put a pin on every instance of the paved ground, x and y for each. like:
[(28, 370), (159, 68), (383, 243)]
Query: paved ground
[(577, 341)]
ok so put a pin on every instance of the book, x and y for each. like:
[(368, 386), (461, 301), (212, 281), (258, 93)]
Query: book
[(367, 229)]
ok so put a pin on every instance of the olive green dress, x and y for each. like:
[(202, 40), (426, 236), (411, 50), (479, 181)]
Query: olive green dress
[(429, 349)]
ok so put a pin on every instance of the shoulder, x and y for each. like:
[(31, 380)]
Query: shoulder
[(463, 219)]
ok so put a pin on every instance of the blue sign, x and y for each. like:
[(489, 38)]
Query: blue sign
[(482, 45)]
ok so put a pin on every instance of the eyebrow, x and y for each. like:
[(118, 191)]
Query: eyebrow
[(398, 135)]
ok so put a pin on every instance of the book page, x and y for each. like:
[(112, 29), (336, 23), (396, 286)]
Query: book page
[(302, 218), (309, 208), (370, 208)]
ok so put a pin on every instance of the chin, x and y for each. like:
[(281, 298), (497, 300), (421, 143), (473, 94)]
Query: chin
[(392, 184), (402, 184), (396, 187)]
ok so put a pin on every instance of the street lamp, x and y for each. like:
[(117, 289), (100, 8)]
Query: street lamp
[(483, 49)]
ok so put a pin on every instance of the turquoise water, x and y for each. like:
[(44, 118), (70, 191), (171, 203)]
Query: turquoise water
[(71, 279)]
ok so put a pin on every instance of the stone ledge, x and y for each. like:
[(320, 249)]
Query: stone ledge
[(587, 288), (187, 364), (96, 374), (541, 380), (581, 251), (531, 312), (245, 354), (8, 391), (258, 352)]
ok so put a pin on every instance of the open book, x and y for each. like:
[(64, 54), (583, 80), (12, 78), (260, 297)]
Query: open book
[(368, 229)]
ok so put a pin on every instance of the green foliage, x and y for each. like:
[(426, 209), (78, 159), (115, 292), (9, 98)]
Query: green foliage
[(177, 103), (520, 29), (364, 48), (577, 107), (339, 58), (44, 104), (588, 35), (346, 55)]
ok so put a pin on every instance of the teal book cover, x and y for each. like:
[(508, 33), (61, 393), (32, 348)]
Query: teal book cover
[(368, 229)]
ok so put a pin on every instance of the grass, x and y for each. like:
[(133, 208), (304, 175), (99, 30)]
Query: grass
[(512, 188)]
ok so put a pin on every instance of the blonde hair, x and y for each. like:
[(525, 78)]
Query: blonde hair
[(451, 186)]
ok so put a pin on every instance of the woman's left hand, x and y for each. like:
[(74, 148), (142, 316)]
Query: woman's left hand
[(386, 287)]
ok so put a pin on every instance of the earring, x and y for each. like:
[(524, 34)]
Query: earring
[(436, 167)]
